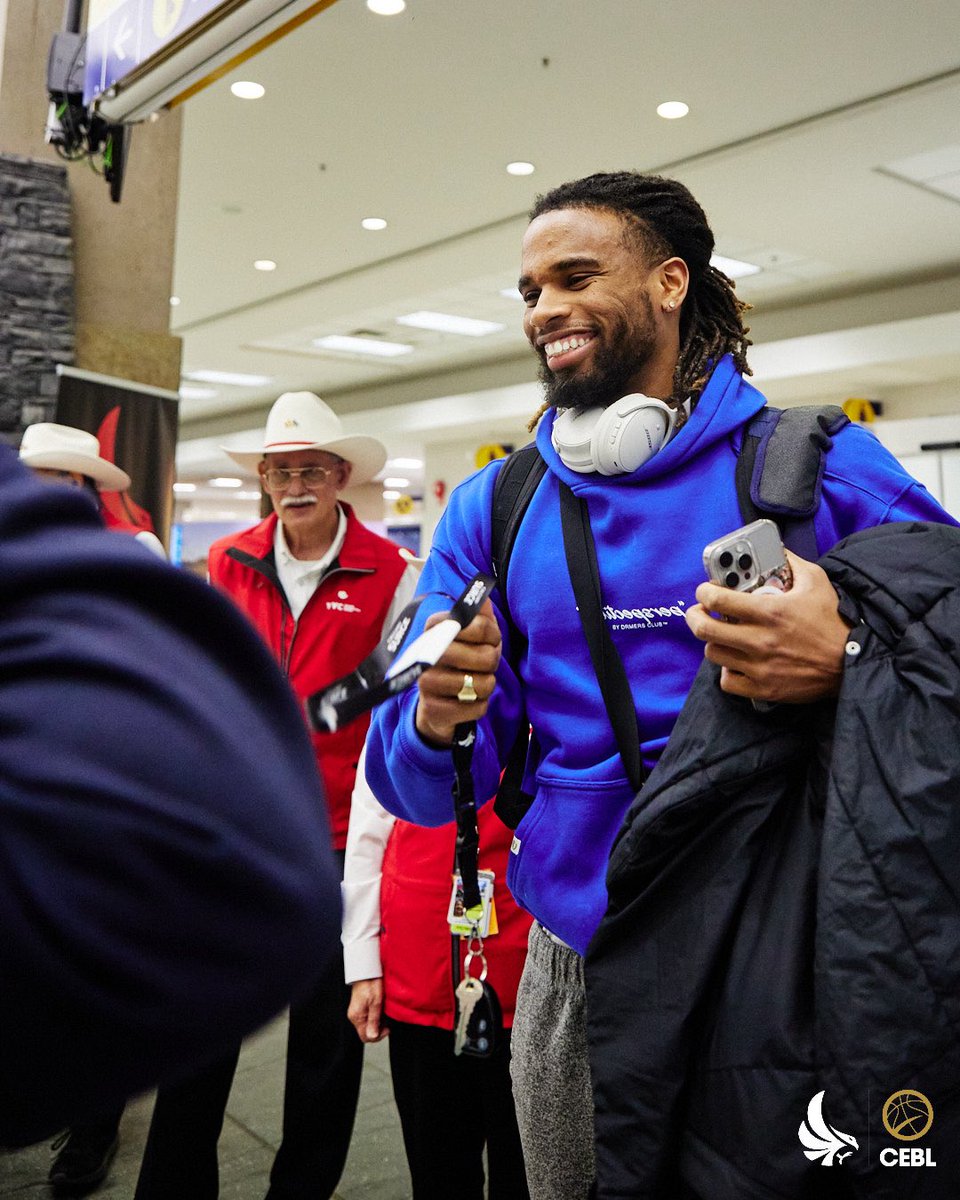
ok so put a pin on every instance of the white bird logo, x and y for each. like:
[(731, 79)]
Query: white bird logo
[(822, 1140)]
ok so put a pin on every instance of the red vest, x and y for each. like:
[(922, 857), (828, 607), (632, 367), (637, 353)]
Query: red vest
[(415, 946), (341, 624)]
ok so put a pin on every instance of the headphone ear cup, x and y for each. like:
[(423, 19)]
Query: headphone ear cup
[(572, 438), (629, 433)]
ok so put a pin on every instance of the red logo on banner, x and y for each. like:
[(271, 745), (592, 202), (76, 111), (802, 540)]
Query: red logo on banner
[(120, 510)]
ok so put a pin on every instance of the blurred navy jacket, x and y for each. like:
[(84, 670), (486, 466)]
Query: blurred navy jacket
[(166, 880)]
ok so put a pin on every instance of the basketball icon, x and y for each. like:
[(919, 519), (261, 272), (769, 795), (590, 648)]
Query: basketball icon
[(907, 1115)]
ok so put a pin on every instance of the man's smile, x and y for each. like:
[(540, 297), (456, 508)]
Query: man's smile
[(565, 352)]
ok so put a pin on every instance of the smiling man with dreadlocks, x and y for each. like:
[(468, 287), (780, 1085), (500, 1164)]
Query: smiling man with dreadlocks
[(642, 355)]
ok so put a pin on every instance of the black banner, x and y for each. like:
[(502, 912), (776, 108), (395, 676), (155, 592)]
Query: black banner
[(137, 429)]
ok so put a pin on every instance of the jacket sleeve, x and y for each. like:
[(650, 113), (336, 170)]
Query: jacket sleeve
[(410, 778), (167, 883)]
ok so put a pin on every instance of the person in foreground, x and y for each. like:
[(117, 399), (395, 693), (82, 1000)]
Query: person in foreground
[(621, 301), (166, 878), (321, 589), (62, 454)]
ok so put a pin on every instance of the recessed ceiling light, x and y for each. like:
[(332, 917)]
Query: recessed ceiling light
[(672, 110), (184, 487), (226, 481), (734, 267), (396, 481), (174, 301), (386, 8), (265, 264), (520, 168), (246, 495), (373, 223), (196, 393), (406, 464), (363, 345), (450, 323), (246, 89), (390, 494), (228, 378)]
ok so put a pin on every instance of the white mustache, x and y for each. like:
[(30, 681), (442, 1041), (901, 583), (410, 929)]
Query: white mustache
[(297, 501)]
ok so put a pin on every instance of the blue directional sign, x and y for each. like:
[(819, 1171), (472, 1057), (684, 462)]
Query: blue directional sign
[(121, 34)]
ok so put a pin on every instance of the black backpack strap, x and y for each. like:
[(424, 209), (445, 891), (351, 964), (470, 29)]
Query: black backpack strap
[(581, 555), (779, 472), (516, 482)]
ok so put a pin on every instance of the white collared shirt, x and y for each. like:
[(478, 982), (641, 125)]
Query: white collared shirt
[(299, 576)]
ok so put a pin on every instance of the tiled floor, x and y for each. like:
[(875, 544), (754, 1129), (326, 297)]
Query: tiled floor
[(376, 1168)]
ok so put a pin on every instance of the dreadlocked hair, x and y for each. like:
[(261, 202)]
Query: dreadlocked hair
[(668, 221)]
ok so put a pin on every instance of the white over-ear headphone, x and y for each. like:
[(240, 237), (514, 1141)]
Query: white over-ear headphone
[(614, 440)]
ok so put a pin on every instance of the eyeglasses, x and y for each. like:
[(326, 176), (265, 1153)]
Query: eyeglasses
[(278, 479)]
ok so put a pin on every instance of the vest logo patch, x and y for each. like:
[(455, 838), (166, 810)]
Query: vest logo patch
[(341, 606)]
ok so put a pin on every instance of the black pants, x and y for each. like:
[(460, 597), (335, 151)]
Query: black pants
[(324, 1062), (450, 1107)]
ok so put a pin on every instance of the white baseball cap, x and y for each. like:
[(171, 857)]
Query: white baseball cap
[(63, 448), (302, 421)]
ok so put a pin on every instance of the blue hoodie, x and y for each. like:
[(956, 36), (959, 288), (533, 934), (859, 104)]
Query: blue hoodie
[(650, 528)]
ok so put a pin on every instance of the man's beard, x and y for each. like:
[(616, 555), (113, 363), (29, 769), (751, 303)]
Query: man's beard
[(614, 365)]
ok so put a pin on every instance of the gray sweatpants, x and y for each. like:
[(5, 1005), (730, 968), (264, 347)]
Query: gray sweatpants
[(551, 1074)]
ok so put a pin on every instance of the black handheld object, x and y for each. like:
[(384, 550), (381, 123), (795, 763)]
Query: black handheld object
[(381, 675)]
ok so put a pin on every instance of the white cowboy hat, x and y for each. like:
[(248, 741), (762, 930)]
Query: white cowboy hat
[(63, 448), (301, 421)]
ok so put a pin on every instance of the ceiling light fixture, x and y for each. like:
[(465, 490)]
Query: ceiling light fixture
[(449, 323), (406, 464), (226, 481), (386, 8), (390, 494), (196, 393), (373, 223), (734, 267), (265, 264), (246, 89), (362, 345), (228, 378), (174, 301), (184, 487), (672, 110), (396, 481), (520, 168)]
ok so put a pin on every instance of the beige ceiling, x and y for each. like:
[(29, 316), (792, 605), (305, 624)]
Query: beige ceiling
[(801, 115)]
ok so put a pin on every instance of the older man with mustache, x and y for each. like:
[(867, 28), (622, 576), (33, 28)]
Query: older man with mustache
[(321, 589)]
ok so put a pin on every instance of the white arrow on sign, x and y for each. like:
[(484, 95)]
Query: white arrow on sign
[(123, 33)]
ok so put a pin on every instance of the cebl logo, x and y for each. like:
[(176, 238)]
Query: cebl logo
[(907, 1116)]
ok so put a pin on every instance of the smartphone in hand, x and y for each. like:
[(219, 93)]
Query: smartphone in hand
[(750, 558)]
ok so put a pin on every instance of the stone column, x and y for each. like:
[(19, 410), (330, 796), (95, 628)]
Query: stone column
[(114, 318)]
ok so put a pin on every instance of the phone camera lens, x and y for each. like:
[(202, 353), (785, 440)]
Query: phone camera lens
[(732, 579), (726, 559), (744, 562)]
